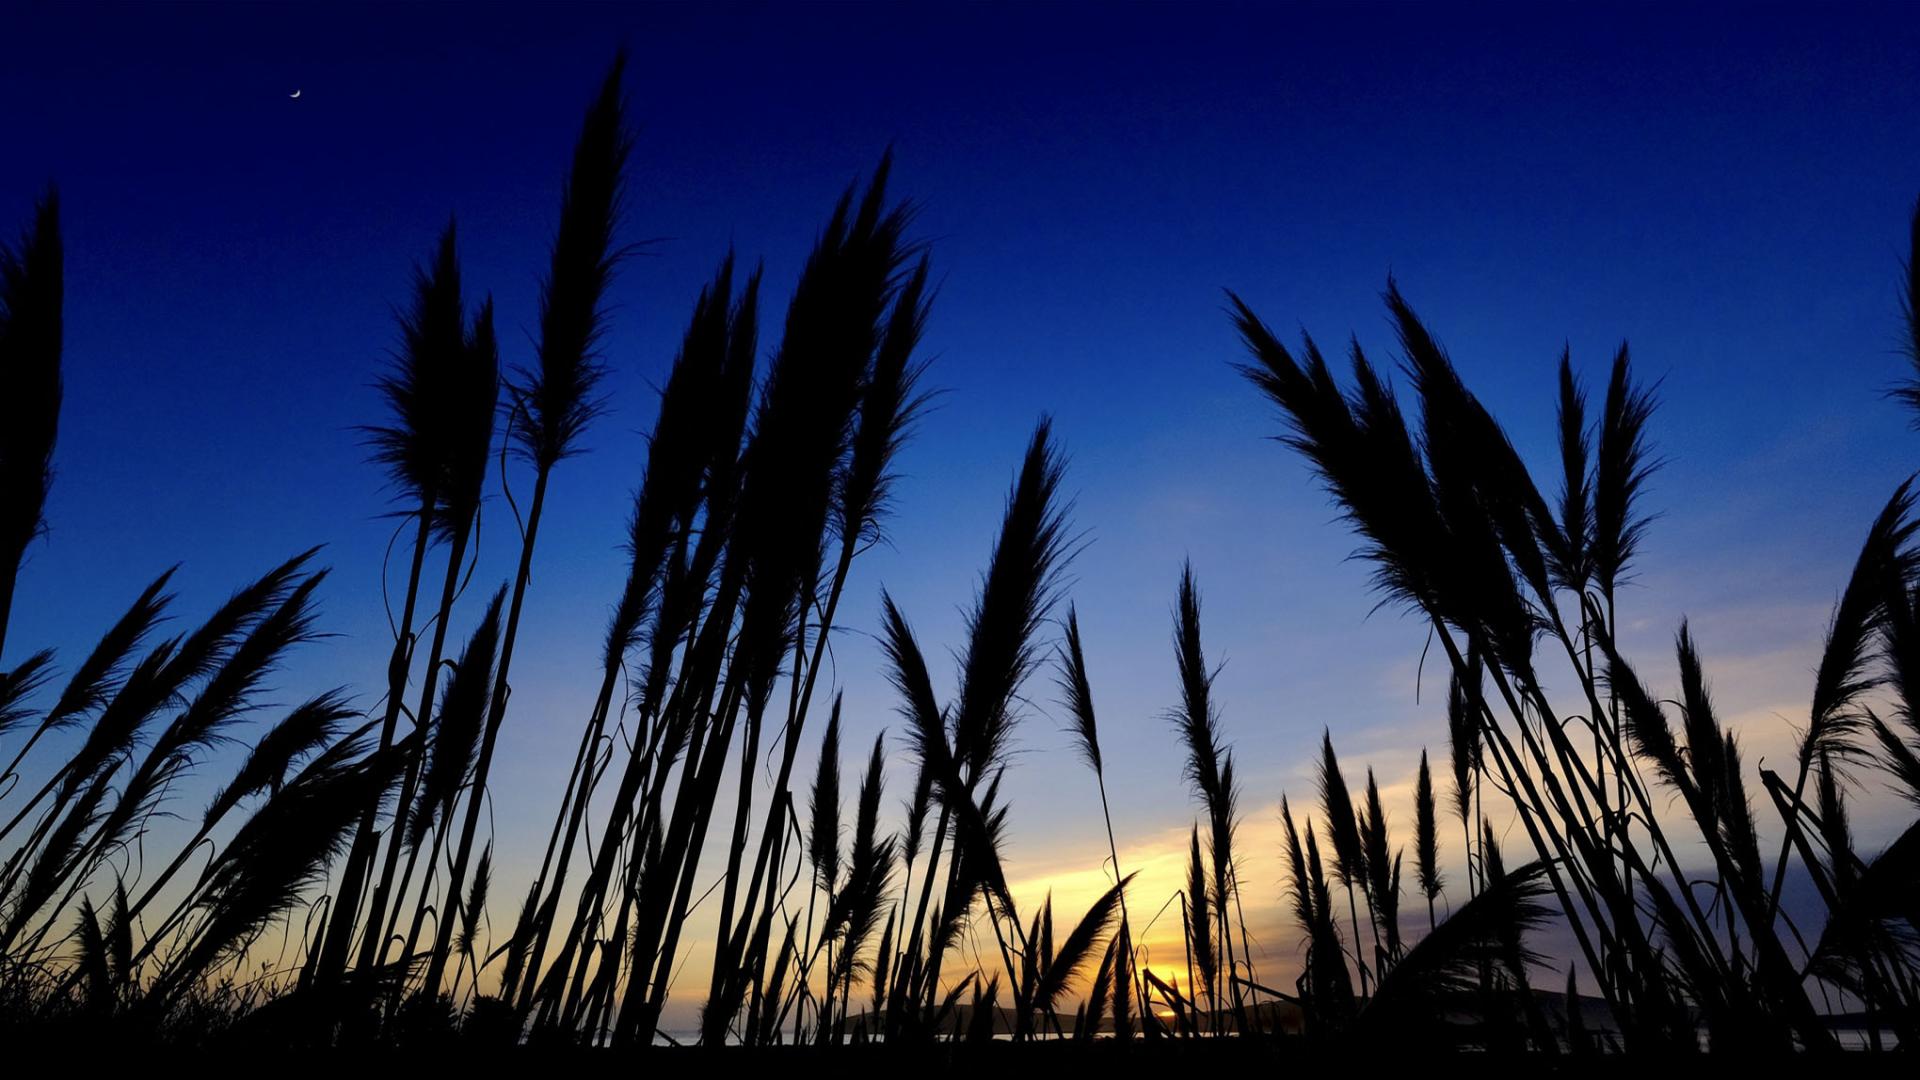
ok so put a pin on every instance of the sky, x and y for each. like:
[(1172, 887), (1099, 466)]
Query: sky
[(1723, 186)]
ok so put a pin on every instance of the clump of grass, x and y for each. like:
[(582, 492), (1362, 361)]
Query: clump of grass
[(1459, 534), (757, 498)]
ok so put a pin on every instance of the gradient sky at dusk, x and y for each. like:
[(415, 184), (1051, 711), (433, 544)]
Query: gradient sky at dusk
[(1726, 187)]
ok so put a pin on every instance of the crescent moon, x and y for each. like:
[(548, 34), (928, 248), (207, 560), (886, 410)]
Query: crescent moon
[(295, 94)]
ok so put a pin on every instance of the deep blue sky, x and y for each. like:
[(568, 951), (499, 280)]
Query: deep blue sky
[(1726, 187)]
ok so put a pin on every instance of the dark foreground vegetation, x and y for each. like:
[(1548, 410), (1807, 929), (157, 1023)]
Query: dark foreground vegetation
[(334, 893)]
